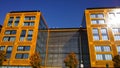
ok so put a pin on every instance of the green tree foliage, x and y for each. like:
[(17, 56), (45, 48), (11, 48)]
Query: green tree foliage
[(2, 57), (116, 61), (71, 60), (35, 60)]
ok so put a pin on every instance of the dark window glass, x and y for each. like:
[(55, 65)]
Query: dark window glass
[(16, 21), (23, 48), (29, 37), (9, 38), (30, 17), (10, 21), (9, 51), (28, 23), (2, 48), (22, 55), (22, 36), (10, 32)]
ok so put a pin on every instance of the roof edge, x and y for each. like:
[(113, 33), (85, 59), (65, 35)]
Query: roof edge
[(24, 11)]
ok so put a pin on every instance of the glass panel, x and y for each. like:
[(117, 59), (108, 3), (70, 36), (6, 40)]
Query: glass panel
[(116, 37), (111, 15), (10, 21), (25, 56), (101, 21), (12, 38), (118, 49), (2, 48), (108, 56), (99, 57), (98, 48), (104, 37), (5, 38), (9, 51), (30, 17), (100, 15), (107, 48), (94, 22), (18, 56)]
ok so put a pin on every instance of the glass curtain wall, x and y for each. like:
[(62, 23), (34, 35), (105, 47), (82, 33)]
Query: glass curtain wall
[(60, 45)]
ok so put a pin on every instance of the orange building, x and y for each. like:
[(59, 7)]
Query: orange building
[(19, 37), (103, 30)]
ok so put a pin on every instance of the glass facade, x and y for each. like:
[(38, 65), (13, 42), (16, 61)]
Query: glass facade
[(60, 45), (42, 40)]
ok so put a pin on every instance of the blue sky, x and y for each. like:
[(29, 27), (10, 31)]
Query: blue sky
[(57, 13)]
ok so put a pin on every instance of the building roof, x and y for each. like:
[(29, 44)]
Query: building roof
[(104, 7), (24, 11)]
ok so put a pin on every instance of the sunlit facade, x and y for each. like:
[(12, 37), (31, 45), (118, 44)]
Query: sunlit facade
[(19, 35), (103, 30), (95, 43)]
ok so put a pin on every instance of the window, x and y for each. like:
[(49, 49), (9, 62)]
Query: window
[(116, 30), (118, 49), (97, 21), (103, 57), (9, 38), (104, 34), (9, 32), (97, 15), (22, 55), (23, 48), (9, 51), (111, 15), (29, 17), (10, 21), (2, 48), (16, 21), (22, 36), (116, 37), (29, 36), (95, 34), (102, 48), (28, 23)]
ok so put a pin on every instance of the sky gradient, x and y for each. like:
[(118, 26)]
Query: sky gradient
[(57, 13)]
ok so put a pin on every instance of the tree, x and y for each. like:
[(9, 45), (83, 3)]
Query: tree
[(35, 60), (71, 60), (116, 60), (2, 57)]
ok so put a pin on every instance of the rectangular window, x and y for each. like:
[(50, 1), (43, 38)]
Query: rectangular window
[(8, 52), (9, 32), (16, 21), (22, 36), (9, 38), (23, 48), (104, 34), (2, 48), (28, 23), (103, 57), (116, 37), (97, 21), (10, 21), (118, 49), (22, 56), (116, 30), (111, 15), (102, 48), (97, 15), (95, 34), (30, 17), (29, 36)]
